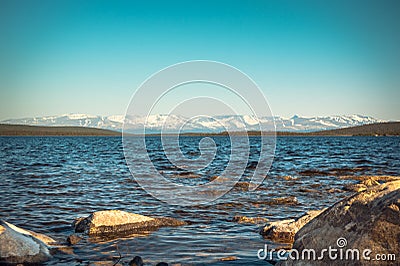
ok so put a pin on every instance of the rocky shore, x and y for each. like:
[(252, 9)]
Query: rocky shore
[(22, 246), (18, 245), (369, 219)]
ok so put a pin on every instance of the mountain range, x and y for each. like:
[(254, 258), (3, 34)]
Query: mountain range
[(215, 124)]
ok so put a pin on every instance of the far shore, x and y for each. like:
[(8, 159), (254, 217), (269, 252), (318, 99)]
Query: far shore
[(378, 129)]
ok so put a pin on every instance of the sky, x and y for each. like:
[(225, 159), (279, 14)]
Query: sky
[(311, 58)]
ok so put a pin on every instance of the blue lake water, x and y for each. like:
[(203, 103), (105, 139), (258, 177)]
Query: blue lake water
[(46, 182)]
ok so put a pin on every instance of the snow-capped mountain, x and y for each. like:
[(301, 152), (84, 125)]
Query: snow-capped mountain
[(178, 123), (298, 123), (107, 122)]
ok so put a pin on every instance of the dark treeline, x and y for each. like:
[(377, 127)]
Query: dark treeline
[(378, 129)]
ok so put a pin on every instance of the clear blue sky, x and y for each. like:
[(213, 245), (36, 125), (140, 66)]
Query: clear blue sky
[(309, 57)]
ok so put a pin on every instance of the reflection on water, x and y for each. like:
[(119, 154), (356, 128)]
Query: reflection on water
[(46, 182)]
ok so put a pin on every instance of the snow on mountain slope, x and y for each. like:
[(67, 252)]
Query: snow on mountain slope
[(175, 123), (82, 120)]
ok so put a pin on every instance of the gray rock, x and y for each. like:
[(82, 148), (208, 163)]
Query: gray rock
[(115, 222), (45, 239), (285, 230), (21, 246), (367, 220)]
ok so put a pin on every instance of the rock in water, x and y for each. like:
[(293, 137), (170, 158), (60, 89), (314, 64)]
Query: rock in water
[(137, 261), (367, 220), (20, 246), (249, 220), (117, 222), (73, 239), (45, 239), (285, 230), (109, 222)]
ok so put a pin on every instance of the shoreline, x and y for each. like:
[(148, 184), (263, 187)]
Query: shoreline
[(391, 129), (285, 234)]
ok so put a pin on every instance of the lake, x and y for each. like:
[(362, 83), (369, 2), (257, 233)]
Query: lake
[(47, 182)]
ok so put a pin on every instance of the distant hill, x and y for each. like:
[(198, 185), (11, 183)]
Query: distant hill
[(377, 129), (22, 130)]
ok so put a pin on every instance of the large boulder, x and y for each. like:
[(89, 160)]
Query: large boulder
[(285, 230), (44, 238), (369, 220), (115, 222), (22, 246)]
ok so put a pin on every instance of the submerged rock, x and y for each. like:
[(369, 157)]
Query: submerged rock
[(288, 177), (230, 258), (22, 246), (367, 220), (137, 261), (378, 178), (333, 190), (249, 220), (291, 200), (162, 264), (120, 222), (73, 239), (285, 230)]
